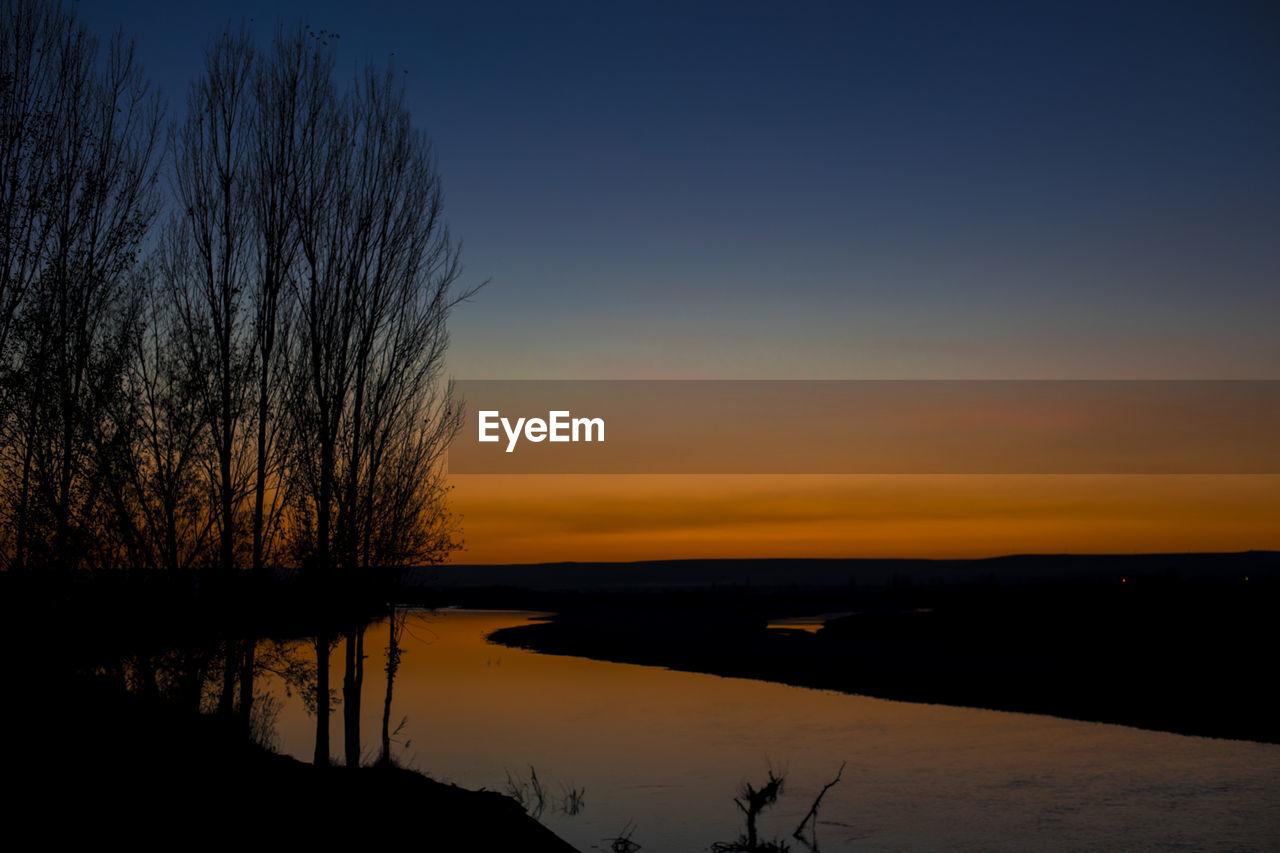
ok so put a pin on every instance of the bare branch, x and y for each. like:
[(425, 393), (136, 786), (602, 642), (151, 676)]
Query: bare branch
[(817, 801)]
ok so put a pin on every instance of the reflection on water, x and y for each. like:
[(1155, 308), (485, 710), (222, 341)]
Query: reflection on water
[(814, 624), (808, 624), (666, 752)]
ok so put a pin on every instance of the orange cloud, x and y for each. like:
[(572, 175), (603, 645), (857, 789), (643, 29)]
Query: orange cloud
[(536, 518)]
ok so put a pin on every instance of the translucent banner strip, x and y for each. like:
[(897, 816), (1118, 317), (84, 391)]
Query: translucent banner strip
[(868, 427)]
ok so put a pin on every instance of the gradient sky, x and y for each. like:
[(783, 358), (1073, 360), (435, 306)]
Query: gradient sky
[(800, 190)]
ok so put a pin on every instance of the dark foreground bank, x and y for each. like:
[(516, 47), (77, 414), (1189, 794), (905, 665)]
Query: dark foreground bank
[(1157, 653), (95, 765), (87, 761)]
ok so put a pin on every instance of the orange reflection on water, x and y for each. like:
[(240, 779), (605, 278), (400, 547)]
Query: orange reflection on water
[(667, 750)]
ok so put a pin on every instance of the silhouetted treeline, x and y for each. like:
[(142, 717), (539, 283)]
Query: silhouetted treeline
[(221, 333)]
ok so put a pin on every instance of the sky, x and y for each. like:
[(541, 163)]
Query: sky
[(830, 190)]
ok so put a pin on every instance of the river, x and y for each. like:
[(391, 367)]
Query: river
[(661, 755)]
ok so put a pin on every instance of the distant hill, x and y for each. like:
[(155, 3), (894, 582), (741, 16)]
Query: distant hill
[(817, 573)]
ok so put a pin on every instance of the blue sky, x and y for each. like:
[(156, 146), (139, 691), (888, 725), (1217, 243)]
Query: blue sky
[(929, 190)]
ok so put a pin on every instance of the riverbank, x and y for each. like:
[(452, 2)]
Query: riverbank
[(116, 767), (1189, 658), (89, 761)]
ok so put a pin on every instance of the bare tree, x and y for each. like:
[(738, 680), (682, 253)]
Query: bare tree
[(378, 279), (159, 490), (283, 82), (78, 151), (35, 47), (377, 276), (395, 630), (273, 384), (209, 262)]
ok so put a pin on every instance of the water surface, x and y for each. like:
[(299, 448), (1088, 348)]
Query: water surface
[(666, 752)]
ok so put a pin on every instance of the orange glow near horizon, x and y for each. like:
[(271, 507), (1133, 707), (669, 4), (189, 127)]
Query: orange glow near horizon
[(548, 518)]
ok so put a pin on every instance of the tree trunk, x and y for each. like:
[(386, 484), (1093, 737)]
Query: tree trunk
[(352, 683), (393, 664), (246, 683), (321, 758)]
